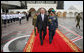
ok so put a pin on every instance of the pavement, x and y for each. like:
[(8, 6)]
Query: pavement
[(68, 27), (14, 30)]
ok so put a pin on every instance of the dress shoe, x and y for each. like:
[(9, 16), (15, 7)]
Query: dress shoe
[(50, 42), (43, 38), (41, 43)]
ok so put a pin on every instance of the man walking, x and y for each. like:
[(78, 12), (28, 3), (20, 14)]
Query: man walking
[(78, 17), (41, 24), (20, 16), (53, 25)]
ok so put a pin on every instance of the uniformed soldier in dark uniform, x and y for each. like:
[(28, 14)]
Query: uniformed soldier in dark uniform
[(78, 17), (53, 24)]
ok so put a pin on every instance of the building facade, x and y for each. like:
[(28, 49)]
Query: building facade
[(59, 4), (6, 5)]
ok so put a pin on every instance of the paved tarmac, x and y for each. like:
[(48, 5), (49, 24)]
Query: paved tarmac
[(14, 30)]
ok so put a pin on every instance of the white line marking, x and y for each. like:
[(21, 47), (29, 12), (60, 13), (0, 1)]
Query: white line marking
[(74, 38), (69, 30), (6, 49), (78, 39), (72, 32), (78, 46)]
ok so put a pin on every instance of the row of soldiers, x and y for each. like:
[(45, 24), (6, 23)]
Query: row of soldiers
[(9, 18)]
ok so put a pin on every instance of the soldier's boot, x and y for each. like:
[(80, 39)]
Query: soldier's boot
[(50, 41), (76, 25), (43, 37), (53, 35), (79, 27), (34, 31), (41, 42)]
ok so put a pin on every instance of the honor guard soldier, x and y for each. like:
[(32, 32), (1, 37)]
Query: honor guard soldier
[(78, 17), (4, 19), (8, 18), (14, 17), (11, 18), (20, 16)]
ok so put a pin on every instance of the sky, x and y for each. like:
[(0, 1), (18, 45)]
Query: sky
[(67, 4)]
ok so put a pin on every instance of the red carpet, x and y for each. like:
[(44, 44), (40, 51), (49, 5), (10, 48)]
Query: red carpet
[(60, 43)]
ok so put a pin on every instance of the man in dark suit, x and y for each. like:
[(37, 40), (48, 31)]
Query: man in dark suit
[(41, 24)]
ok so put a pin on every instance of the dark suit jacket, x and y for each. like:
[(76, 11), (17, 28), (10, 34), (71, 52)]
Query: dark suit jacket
[(40, 23)]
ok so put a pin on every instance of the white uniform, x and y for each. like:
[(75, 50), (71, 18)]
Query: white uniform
[(11, 16), (3, 16), (15, 15), (8, 17), (20, 16)]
